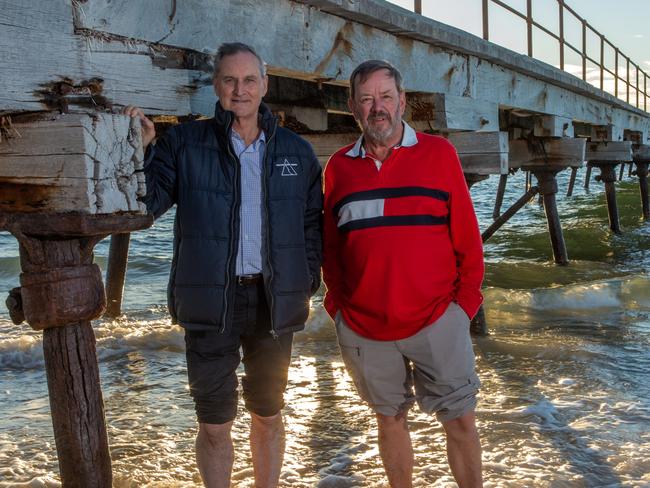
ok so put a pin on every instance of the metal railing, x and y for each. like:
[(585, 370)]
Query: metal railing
[(620, 79)]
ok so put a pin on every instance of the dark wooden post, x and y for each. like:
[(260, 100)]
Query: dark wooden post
[(608, 176), (548, 188), (61, 292), (118, 256)]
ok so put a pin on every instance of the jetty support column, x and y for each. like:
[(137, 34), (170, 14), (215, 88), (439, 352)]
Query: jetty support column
[(68, 182), (606, 155), (545, 157)]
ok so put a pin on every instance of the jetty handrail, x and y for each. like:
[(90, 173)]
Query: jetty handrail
[(642, 94)]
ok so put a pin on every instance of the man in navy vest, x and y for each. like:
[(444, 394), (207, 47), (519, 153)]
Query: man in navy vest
[(247, 255)]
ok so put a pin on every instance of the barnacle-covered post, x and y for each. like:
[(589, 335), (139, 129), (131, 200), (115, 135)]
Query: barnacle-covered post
[(66, 183)]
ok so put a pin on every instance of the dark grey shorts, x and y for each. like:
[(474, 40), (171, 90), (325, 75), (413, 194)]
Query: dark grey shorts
[(438, 361), (213, 359)]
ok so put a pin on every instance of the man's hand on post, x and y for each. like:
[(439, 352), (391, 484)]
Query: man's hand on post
[(148, 129)]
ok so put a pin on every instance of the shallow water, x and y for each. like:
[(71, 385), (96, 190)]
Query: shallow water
[(565, 400)]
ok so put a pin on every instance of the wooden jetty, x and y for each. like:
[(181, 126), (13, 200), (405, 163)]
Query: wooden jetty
[(68, 180)]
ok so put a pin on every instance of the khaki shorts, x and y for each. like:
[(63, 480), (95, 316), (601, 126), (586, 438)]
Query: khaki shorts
[(438, 361)]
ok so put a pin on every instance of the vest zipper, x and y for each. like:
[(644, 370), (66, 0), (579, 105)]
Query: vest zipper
[(269, 293), (233, 213)]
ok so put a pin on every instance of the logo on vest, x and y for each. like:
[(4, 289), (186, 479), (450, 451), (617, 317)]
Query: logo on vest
[(288, 169)]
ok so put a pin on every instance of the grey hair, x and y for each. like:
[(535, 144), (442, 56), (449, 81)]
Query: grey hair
[(365, 69), (232, 48)]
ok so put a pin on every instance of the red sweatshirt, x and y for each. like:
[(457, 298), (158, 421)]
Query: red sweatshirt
[(401, 242)]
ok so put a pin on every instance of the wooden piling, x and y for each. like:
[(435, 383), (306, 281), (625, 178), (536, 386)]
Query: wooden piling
[(548, 188), (68, 182), (572, 181), (118, 256), (61, 292), (587, 177), (502, 219), (642, 173), (608, 177), (503, 180)]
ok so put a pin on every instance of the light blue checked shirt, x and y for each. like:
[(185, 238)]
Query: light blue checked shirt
[(249, 251)]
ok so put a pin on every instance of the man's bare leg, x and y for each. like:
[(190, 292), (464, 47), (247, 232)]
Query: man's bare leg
[(267, 448), (464, 451), (396, 450), (215, 454)]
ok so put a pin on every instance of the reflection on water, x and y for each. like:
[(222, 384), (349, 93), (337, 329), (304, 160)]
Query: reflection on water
[(565, 399)]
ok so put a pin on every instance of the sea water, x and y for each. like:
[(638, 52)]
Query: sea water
[(565, 397)]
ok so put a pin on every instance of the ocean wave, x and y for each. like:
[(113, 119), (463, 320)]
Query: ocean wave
[(629, 293)]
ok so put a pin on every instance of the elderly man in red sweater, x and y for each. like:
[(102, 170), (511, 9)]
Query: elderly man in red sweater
[(403, 264)]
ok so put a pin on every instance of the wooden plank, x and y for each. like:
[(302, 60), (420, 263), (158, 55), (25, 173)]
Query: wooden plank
[(76, 162), (439, 111), (90, 72), (547, 153), (641, 153), (482, 153), (162, 64), (553, 126), (615, 151)]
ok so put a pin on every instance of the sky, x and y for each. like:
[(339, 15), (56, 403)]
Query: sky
[(625, 23)]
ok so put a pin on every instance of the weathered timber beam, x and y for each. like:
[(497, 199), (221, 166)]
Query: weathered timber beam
[(443, 112), (482, 153), (107, 59), (536, 153), (609, 151), (76, 162), (606, 132)]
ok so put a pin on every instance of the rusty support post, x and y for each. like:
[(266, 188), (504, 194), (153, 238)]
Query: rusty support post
[(584, 50), (616, 72), (587, 177), (418, 6), (608, 176), (118, 256), (496, 225), (503, 180), (548, 188), (627, 81), (561, 23), (529, 26), (602, 62), (486, 25), (572, 181), (642, 173)]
